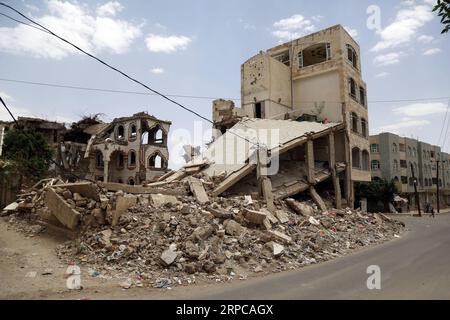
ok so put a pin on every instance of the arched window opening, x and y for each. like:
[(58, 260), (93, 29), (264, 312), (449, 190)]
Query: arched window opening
[(354, 122), (352, 56), (356, 158), (133, 131), (157, 161), (120, 132), (364, 127), (99, 160), (132, 158), (131, 182)]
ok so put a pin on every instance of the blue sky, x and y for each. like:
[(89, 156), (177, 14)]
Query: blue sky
[(197, 47)]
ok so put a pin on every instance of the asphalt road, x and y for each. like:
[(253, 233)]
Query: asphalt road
[(415, 266)]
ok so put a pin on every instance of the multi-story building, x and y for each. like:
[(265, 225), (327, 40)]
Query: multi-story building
[(397, 158), (313, 78)]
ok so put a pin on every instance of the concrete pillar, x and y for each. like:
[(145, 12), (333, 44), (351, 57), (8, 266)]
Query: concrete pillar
[(348, 183), (309, 159), (105, 171), (334, 177)]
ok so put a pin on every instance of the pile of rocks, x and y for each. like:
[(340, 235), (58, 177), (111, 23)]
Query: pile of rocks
[(165, 240)]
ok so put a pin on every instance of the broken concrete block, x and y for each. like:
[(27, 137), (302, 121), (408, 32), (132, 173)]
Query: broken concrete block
[(123, 203), (78, 197), (269, 215), (203, 233), (67, 194), (247, 200), (168, 257), (277, 235), (300, 207), (198, 190), (282, 216), (313, 221), (159, 200), (233, 228), (256, 217), (275, 248), (11, 207), (266, 223), (99, 215), (61, 210), (85, 189)]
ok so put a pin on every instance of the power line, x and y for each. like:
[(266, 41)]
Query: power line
[(117, 70), (24, 23), (67, 86)]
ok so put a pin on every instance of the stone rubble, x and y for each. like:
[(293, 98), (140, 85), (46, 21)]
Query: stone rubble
[(165, 240)]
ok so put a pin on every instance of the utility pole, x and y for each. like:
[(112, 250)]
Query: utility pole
[(437, 184), (415, 190)]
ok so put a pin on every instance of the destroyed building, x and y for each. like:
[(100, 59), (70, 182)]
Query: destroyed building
[(52, 131), (316, 78), (128, 150)]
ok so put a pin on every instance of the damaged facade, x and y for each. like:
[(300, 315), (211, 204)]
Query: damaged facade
[(392, 158), (314, 78), (129, 150)]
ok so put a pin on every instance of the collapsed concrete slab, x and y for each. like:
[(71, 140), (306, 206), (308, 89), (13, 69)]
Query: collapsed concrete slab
[(159, 200), (86, 189), (61, 210)]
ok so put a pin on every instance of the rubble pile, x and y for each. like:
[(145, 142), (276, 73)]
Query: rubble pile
[(177, 238), (161, 240)]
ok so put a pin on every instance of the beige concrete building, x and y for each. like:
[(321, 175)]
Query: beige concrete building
[(393, 157), (313, 78)]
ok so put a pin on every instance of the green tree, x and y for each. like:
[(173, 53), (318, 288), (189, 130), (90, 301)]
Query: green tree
[(379, 190), (29, 151), (443, 9)]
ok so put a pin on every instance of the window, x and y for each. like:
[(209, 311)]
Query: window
[(394, 148), (414, 152), (258, 110), (402, 147), (120, 132), (365, 160), (409, 151), (375, 165), (157, 161), (364, 127), (283, 58), (432, 154), (120, 160), (362, 96), (131, 181), (352, 88), (314, 54), (352, 57), (395, 167), (403, 164), (131, 158), (354, 122), (374, 148), (133, 131), (99, 160), (156, 135), (356, 160), (404, 180)]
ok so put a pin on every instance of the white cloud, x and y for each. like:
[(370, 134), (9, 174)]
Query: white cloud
[(404, 28), (425, 39), (5, 97), (388, 59), (157, 70), (109, 9), (382, 75), (166, 44), (352, 32), (395, 127), (72, 21), (294, 27), (421, 109), (431, 52)]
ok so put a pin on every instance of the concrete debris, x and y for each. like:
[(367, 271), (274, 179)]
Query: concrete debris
[(300, 208), (163, 240)]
